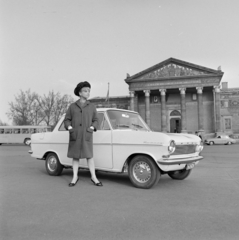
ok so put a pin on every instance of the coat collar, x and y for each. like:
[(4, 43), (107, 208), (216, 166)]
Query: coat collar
[(79, 105)]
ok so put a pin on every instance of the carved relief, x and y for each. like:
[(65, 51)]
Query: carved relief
[(168, 84), (175, 113), (234, 103), (172, 70)]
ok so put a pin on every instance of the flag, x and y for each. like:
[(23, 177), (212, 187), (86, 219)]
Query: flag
[(107, 96)]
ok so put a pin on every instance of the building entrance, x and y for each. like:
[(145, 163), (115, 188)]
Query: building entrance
[(175, 125), (175, 122)]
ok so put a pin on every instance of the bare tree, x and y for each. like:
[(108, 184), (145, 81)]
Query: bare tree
[(53, 106), (61, 106), (32, 109), (24, 110), (3, 123)]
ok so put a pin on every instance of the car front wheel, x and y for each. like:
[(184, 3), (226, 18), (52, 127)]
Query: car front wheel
[(180, 174), (143, 172), (211, 143), (229, 143), (53, 165)]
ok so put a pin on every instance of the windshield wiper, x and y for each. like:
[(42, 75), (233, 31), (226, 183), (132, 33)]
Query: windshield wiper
[(136, 125), (122, 125)]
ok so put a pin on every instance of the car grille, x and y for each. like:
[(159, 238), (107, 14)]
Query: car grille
[(184, 149)]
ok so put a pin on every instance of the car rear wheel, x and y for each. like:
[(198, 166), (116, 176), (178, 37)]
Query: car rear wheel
[(180, 174), (143, 172), (53, 165), (229, 143), (27, 141), (211, 143)]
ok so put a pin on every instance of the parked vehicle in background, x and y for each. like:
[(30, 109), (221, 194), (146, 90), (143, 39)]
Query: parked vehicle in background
[(220, 139), (123, 143), (20, 134)]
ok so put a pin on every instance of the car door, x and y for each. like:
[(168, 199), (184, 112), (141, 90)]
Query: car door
[(102, 144), (59, 143), (218, 140)]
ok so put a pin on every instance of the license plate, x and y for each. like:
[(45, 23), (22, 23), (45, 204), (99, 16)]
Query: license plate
[(190, 166)]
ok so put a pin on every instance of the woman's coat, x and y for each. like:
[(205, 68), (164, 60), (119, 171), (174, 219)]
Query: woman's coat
[(81, 136)]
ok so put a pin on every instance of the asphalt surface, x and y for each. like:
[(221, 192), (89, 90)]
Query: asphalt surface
[(36, 206)]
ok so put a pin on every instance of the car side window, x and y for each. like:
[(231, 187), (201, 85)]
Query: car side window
[(62, 127), (106, 125), (102, 124)]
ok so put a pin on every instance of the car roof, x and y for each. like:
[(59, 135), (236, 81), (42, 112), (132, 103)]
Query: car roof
[(116, 109), (106, 109)]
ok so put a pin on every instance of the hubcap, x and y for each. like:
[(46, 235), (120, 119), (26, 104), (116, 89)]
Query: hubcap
[(142, 172), (52, 164)]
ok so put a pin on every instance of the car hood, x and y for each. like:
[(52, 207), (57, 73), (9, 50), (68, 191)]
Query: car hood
[(184, 138), (153, 138)]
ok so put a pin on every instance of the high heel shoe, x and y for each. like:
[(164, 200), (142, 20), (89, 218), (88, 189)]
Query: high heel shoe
[(99, 184), (73, 184)]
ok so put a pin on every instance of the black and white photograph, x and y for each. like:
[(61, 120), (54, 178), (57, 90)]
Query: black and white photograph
[(119, 120)]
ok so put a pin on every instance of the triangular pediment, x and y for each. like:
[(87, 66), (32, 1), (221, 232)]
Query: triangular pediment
[(171, 68)]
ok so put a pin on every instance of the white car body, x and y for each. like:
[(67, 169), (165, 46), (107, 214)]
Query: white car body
[(220, 139), (114, 148)]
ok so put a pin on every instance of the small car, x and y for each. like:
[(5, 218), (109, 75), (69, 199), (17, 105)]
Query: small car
[(220, 139), (123, 143)]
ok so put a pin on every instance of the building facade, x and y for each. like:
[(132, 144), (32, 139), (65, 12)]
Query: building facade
[(178, 96)]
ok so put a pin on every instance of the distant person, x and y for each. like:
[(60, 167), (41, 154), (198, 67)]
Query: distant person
[(198, 134), (81, 120)]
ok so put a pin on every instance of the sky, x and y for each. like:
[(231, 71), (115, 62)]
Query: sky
[(55, 44)]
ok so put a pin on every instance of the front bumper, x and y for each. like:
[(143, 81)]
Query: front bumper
[(166, 161)]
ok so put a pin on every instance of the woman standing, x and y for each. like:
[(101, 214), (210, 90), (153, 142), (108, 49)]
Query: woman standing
[(81, 120)]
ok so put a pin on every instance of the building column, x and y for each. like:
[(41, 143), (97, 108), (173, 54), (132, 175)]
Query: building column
[(163, 110), (200, 109), (131, 93), (147, 106), (217, 108), (183, 110), (136, 108)]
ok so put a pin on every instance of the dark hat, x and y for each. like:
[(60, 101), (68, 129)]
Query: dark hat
[(80, 86)]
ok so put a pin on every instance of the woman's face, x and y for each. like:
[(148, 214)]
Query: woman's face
[(85, 92)]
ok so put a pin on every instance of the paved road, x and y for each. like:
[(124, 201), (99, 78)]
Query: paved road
[(37, 206)]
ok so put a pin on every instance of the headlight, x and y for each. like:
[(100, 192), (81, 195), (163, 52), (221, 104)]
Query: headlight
[(171, 147), (199, 147)]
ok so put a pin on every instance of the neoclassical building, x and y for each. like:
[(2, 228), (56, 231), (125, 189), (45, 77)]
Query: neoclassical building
[(178, 96)]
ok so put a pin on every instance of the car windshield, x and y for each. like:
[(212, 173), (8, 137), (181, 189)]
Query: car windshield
[(126, 120)]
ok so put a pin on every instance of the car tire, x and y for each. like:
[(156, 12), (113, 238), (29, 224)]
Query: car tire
[(211, 143), (26, 141), (53, 165), (143, 172), (229, 143), (180, 174)]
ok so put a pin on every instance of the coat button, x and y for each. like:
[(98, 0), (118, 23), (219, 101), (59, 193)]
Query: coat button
[(80, 124)]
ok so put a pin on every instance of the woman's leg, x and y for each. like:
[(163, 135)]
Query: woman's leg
[(75, 166), (91, 165)]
